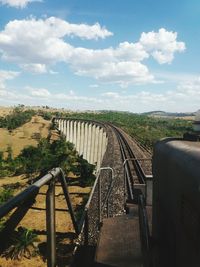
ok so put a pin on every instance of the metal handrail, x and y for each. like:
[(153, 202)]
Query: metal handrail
[(29, 192), (24, 200), (135, 160), (126, 180)]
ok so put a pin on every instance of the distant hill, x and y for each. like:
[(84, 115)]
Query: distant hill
[(159, 113)]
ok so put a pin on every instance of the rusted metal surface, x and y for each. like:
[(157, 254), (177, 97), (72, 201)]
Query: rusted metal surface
[(119, 243)]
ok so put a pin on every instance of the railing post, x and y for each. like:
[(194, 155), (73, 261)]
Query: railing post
[(99, 199), (86, 230), (67, 198), (50, 225), (107, 208), (125, 187)]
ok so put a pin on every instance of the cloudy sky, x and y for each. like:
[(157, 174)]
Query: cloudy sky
[(101, 54)]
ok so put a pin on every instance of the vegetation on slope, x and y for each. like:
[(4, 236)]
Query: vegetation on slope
[(5, 195), (146, 129), (46, 156), (17, 118), (33, 160)]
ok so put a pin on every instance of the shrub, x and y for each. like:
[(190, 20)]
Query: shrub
[(47, 116), (46, 156), (85, 171), (22, 244), (5, 195), (17, 118), (2, 224)]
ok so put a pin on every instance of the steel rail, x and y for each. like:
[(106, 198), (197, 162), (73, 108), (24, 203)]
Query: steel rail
[(139, 171), (129, 181), (127, 153)]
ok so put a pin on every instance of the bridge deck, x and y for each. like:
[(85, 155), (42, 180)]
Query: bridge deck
[(119, 243)]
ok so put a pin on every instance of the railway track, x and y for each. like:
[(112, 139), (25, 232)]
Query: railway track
[(136, 164), (132, 227)]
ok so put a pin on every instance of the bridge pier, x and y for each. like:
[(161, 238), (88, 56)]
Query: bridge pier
[(89, 139)]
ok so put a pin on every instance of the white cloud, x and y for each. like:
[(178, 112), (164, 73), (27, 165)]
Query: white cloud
[(34, 68), (111, 94), (43, 94), (6, 75), (121, 73), (108, 65), (85, 31), (53, 72), (161, 45), (130, 51), (36, 45), (94, 85), (186, 97), (191, 88), (38, 92), (18, 3), (71, 92)]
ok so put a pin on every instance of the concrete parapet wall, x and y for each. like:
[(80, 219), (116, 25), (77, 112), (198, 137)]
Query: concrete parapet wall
[(90, 139)]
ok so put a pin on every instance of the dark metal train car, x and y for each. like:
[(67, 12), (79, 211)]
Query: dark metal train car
[(176, 203)]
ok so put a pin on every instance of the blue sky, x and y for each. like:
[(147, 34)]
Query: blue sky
[(99, 54)]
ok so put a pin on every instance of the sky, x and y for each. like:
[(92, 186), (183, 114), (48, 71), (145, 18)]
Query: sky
[(130, 55)]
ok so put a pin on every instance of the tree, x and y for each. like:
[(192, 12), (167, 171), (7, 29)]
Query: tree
[(10, 154), (1, 159), (30, 158), (85, 171)]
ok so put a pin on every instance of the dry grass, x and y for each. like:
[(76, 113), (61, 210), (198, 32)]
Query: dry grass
[(35, 218), (27, 134), (5, 111), (187, 118)]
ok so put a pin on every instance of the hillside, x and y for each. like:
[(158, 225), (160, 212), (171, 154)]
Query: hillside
[(27, 134), (159, 113), (30, 134)]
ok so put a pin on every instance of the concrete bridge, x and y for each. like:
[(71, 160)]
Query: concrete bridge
[(89, 138)]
